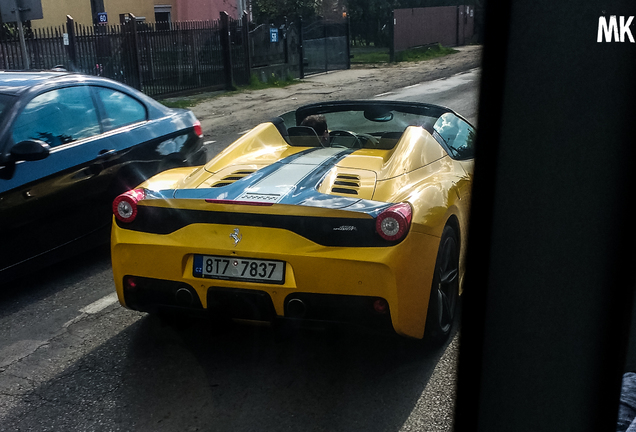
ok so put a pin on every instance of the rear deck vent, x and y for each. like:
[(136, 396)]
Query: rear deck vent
[(228, 180), (348, 184), (344, 191)]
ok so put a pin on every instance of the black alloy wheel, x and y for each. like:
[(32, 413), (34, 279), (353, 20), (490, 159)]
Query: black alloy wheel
[(442, 307)]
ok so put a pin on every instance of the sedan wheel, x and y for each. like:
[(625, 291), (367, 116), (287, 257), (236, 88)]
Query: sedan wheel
[(442, 307)]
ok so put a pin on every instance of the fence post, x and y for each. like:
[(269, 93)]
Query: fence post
[(71, 49), (326, 52), (457, 26), (226, 48), (301, 64), (245, 29), (285, 43), (348, 42), (392, 38), (134, 49)]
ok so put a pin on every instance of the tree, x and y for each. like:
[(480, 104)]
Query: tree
[(272, 10), (370, 20)]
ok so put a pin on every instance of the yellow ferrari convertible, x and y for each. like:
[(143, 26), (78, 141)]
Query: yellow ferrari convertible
[(349, 211)]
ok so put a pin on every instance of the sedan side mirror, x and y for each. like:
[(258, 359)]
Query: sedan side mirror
[(30, 150)]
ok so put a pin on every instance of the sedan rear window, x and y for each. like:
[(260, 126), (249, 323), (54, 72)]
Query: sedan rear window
[(120, 109)]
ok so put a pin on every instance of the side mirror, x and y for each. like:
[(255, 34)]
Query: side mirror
[(30, 150)]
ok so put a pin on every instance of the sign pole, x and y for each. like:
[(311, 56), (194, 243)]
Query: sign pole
[(25, 57)]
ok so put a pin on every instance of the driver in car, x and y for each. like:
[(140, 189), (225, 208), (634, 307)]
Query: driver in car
[(319, 123)]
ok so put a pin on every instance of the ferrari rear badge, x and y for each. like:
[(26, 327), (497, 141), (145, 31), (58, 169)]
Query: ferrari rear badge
[(236, 236)]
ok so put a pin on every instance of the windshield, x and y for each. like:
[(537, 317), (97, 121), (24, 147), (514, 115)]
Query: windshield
[(356, 121), (363, 125), (361, 121)]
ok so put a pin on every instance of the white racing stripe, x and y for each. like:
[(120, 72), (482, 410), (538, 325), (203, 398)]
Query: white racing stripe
[(278, 184)]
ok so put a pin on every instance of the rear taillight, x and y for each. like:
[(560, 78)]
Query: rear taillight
[(130, 283), (394, 223), (125, 205), (380, 306), (198, 129)]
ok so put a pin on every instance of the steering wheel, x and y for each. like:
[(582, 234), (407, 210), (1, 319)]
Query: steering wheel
[(349, 136), (368, 140)]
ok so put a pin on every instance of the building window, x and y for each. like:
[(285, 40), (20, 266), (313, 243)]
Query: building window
[(163, 16)]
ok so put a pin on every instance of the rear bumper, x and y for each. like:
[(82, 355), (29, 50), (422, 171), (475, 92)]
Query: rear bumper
[(321, 283), (156, 295)]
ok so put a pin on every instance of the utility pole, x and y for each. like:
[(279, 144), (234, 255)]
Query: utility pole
[(17, 11), (26, 64), (25, 56)]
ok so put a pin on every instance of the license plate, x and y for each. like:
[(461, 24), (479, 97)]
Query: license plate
[(242, 269)]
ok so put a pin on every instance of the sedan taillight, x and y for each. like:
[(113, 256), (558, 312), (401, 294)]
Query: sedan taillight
[(394, 223), (125, 205), (198, 129)]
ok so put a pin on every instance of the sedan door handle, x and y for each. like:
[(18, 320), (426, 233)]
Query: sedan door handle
[(105, 152), (105, 156)]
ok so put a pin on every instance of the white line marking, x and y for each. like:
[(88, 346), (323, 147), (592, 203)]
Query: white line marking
[(100, 304), (208, 142), (383, 94)]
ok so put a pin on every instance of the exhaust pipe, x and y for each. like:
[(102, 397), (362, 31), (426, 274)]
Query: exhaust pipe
[(183, 297), (296, 308)]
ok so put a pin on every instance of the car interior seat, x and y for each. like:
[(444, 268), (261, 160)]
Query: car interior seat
[(303, 136), (388, 140), (280, 125)]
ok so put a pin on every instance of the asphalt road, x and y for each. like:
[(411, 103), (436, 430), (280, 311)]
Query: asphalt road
[(73, 359)]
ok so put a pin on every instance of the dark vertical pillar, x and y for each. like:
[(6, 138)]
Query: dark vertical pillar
[(301, 54), (226, 49), (348, 30), (245, 29), (133, 47), (549, 277), (71, 48), (285, 43), (392, 38), (324, 39)]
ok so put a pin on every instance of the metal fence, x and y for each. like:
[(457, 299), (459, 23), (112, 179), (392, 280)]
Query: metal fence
[(157, 58), (325, 46), (277, 55), (168, 58)]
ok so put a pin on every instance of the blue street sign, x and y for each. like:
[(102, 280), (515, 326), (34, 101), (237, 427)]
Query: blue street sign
[(273, 35), (102, 18)]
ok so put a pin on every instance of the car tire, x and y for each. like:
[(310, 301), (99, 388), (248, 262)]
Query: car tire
[(444, 297)]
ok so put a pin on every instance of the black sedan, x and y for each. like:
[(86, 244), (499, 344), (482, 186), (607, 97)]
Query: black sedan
[(69, 144)]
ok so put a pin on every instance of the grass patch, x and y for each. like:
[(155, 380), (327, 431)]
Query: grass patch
[(255, 84), (273, 80), (367, 55), (423, 53), (373, 55), (178, 103)]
